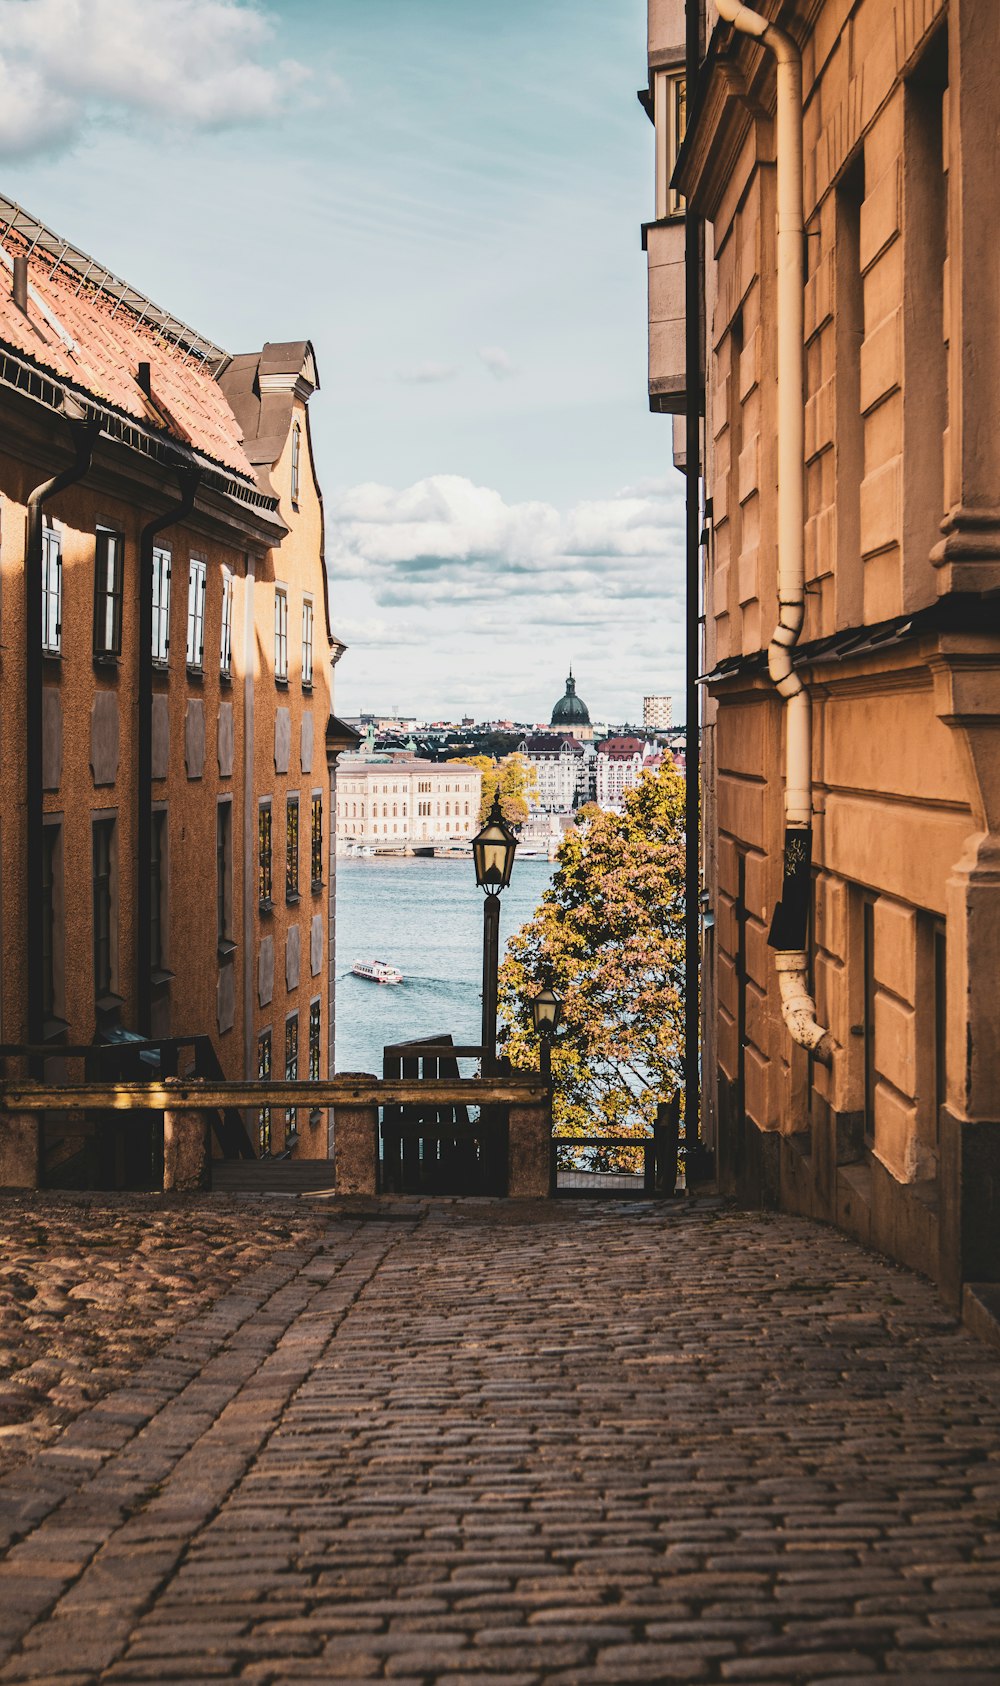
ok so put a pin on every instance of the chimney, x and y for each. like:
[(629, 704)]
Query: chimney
[(142, 375), (20, 286)]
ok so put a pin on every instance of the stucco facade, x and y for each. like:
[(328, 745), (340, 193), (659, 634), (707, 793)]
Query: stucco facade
[(897, 1135), (157, 744), (406, 804)]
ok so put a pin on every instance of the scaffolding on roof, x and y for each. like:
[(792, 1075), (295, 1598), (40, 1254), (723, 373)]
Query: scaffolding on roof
[(93, 275)]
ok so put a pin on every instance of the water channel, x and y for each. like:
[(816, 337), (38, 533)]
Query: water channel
[(426, 917)]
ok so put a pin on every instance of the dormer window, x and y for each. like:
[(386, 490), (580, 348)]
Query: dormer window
[(296, 463)]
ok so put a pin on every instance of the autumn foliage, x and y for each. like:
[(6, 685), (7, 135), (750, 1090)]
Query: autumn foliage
[(514, 777), (609, 937)]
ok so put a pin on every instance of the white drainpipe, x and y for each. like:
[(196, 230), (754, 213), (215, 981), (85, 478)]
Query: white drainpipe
[(797, 1006)]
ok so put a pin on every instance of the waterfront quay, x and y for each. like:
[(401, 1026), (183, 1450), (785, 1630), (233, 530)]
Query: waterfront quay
[(461, 1440)]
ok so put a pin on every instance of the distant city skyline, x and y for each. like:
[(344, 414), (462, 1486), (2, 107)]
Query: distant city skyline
[(454, 220)]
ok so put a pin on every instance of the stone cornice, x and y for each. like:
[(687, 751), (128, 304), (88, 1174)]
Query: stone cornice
[(736, 87)]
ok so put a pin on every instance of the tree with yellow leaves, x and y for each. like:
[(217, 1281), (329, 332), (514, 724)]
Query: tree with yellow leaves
[(609, 938), (517, 780)]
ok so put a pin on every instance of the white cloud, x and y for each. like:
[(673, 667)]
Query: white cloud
[(427, 374), (447, 536), (207, 64), (456, 599), (453, 598), (498, 361)]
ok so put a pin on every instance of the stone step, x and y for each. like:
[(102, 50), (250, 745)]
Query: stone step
[(266, 1176)]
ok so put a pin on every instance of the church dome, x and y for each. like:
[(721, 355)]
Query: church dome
[(570, 710)]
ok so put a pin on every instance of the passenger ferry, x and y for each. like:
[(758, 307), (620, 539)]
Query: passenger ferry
[(377, 971)]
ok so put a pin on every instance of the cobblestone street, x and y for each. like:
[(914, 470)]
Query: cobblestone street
[(565, 1443)]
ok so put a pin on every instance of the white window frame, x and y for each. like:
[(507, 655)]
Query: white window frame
[(281, 633), (197, 585), (51, 591), (669, 118), (161, 605), (226, 636), (296, 474), (109, 591), (308, 625)]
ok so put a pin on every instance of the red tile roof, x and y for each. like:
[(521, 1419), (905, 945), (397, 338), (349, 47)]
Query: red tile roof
[(109, 341), (620, 749)]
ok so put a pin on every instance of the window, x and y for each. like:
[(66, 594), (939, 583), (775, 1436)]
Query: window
[(103, 866), (51, 911), (291, 1065), (224, 878), (157, 888), (264, 1075), (868, 1022), (307, 641), (108, 569), (669, 117), (161, 604), (292, 849), (196, 615), (849, 332), (264, 857), (940, 1089), (226, 642), (314, 1030), (316, 842), (296, 462), (281, 634), (51, 592)]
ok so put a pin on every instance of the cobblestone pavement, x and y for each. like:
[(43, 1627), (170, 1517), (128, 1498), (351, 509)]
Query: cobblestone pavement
[(90, 1285), (580, 1443)]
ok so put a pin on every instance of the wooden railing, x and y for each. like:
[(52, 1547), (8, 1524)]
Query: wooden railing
[(356, 1100)]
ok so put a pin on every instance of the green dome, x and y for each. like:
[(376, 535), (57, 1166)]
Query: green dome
[(570, 710)]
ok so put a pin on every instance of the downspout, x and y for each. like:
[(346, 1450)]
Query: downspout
[(85, 434), (788, 933), (189, 480), (693, 383)]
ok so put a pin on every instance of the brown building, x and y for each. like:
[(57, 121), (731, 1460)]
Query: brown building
[(842, 155), (166, 853)]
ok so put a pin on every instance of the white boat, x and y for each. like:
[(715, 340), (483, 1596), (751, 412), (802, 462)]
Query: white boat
[(377, 971)]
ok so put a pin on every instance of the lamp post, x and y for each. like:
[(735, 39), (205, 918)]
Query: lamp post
[(546, 1011), (493, 852)]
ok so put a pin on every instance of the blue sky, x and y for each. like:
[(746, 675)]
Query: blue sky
[(446, 197)]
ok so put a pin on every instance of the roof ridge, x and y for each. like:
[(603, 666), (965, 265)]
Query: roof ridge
[(38, 238)]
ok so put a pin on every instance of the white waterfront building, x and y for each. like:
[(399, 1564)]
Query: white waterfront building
[(401, 802)]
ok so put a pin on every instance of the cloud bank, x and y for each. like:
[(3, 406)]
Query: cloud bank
[(203, 64), (444, 583)]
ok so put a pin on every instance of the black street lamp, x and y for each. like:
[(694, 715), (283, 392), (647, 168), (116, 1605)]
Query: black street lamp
[(546, 1011), (493, 852)]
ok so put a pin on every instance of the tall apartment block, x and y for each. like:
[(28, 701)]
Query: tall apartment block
[(841, 158), (166, 665)]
